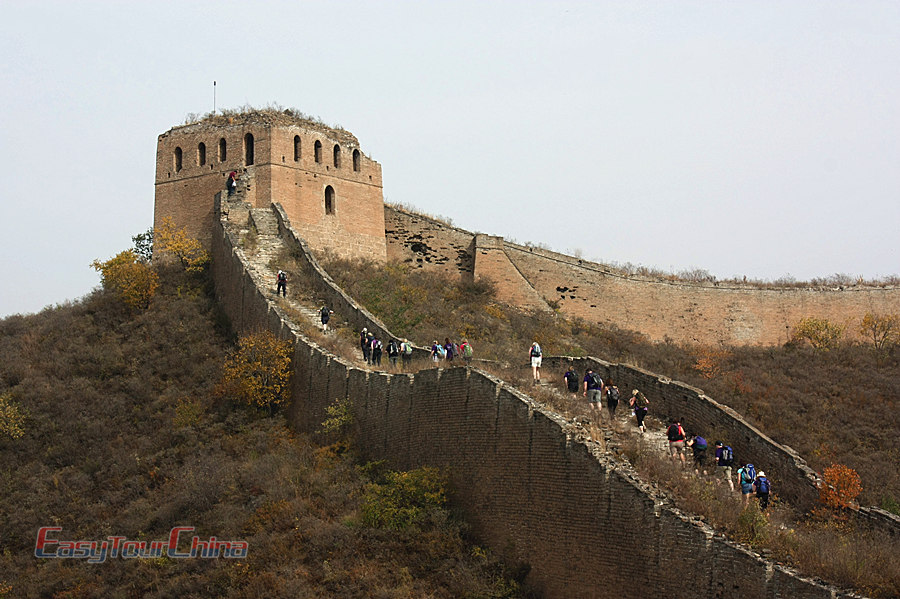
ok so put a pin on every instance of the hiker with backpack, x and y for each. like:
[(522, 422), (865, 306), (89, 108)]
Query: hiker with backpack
[(325, 315), (762, 488), (746, 476), (570, 378), (676, 436), (364, 340), (281, 283), (593, 390), (535, 354), (406, 351), (724, 460), (612, 399), (377, 348), (698, 445), (437, 352), (393, 351), (449, 349), (467, 351), (640, 404)]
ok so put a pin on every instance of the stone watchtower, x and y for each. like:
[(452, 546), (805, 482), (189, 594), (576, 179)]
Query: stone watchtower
[(330, 190)]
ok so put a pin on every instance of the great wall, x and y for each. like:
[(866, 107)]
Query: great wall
[(533, 484)]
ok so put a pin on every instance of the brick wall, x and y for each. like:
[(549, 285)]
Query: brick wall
[(686, 312), (533, 487)]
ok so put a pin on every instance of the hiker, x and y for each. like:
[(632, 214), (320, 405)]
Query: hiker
[(377, 346), (761, 486), (231, 183), (448, 349), (393, 350), (325, 316), (612, 399), (467, 351), (593, 389), (281, 286), (746, 476), (724, 460), (406, 351), (675, 434), (698, 445), (437, 351), (640, 404), (570, 378), (535, 355), (364, 344)]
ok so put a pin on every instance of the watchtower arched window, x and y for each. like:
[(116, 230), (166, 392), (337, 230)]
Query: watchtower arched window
[(223, 154), (177, 159), (329, 200), (318, 151), (356, 160), (201, 154), (296, 148), (248, 149), (337, 156)]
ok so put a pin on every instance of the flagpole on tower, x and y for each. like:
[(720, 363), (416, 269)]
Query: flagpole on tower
[(214, 97)]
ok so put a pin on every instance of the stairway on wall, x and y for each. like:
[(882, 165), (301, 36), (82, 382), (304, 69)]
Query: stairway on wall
[(269, 247)]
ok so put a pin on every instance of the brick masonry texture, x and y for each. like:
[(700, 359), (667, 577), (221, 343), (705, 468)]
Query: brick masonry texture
[(532, 485), (299, 181), (661, 309)]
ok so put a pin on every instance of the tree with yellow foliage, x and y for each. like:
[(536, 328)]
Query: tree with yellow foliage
[(882, 329), (840, 487), (168, 239), (134, 281), (259, 372), (821, 333)]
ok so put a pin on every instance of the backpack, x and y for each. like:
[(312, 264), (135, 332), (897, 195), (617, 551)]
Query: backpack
[(596, 381), (748, 474), (377, 344), (535, 351), (612, 394), (467, 350), (700, 443), (441, 352), (392, 348), (406, 348), (762, 485), (572, 381), (282, 278), (675, 432), (727, 457)]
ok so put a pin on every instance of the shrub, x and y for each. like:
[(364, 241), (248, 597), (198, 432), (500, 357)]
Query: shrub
[(135, 282), (882, 329), (840, 487), (170, 240), (820, 332), (12, 418), (404, 498), (339, 416), (259, 372)]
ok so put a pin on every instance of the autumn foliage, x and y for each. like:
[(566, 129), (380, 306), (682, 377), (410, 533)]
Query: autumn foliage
[(134, 281), (840, 488), (259, 372), (168, 239), (882, 329), (821, 333)]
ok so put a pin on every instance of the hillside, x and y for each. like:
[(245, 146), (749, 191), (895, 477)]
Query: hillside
[(126, 436)]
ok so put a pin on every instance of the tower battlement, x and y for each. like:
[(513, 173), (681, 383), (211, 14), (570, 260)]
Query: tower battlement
[(330, 189)]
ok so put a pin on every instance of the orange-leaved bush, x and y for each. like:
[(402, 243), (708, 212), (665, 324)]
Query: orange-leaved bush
[(840, 487)]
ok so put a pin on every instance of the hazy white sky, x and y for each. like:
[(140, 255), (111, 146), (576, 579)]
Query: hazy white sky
[(758, 139)]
